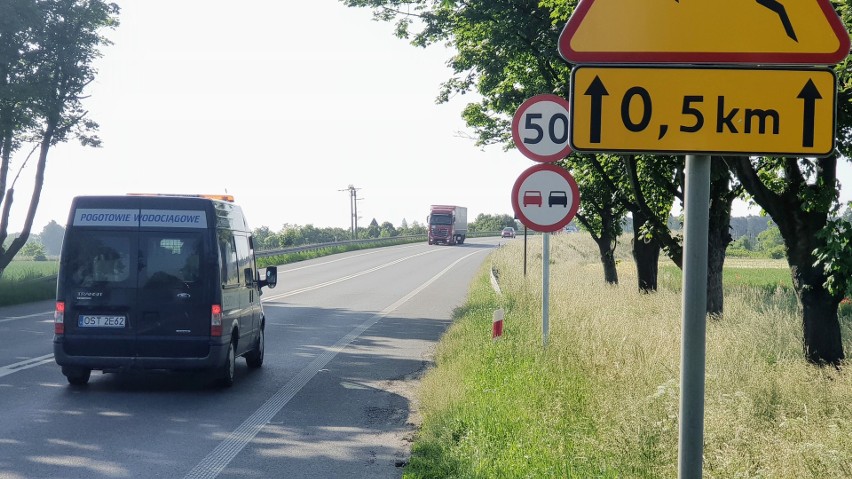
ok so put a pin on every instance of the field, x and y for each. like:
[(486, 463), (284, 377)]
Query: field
[(25, 281), (601, 399)]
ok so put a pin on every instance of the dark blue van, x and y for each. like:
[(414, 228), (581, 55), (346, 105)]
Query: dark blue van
[(158, 282)]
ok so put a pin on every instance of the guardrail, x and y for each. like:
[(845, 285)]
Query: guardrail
[(360, 242)]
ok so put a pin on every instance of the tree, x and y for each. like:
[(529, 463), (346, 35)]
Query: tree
[(485, 222), (51, 237), (799, 195), (601, 212), (387, 230), (416, 228), (373, 231), (46, 53), (506, 51), (34, 250)]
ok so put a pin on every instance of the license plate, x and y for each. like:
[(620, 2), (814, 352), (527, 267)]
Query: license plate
[(100, 321)]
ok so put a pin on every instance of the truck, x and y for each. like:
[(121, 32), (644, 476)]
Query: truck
[(447, 224)]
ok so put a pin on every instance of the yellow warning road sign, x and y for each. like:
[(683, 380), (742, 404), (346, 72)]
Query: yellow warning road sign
[(734, 111), (705, 31)]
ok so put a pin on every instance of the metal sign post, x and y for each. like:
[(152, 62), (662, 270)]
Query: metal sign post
[(545, 287), (694, 304)]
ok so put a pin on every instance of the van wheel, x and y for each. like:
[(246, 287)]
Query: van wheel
[(254, 359), (76, 376), (226, 373)]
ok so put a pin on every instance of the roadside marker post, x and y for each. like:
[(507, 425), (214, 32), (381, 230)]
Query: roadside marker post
[(497, 324)]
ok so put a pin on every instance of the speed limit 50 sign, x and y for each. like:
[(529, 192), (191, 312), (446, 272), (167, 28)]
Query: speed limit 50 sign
[(540, 128)]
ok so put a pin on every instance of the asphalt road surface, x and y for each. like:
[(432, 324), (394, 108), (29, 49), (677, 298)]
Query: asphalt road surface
[(347, 338)]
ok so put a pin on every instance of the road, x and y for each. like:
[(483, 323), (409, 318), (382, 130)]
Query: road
[(347, 338)]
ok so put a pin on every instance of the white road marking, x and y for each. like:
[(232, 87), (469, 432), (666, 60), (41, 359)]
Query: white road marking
[(215, 462), (323, 263), (341, 279), (25, 364), (34, 315)]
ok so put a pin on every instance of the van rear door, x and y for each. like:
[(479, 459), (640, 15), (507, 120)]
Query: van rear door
[(100, 292), (174, 295)]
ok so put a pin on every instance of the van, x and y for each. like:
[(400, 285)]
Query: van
[(158, 282)]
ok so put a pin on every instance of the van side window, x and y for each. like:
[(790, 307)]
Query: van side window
[(228, 255), (105, 259), (244, 259)]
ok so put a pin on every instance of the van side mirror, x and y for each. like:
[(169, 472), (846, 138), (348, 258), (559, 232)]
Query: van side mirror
[(271, 278)]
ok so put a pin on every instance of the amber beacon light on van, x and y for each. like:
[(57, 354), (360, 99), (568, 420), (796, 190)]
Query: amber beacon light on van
[(228, 198)]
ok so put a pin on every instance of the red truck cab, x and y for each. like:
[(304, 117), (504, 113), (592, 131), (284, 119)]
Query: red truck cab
[(447, 224)]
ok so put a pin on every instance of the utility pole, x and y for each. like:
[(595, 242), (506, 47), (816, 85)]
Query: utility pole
[(356, 215), (353, 209)]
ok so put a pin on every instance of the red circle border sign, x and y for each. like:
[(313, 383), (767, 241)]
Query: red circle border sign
[(516, 126), (575, 203)]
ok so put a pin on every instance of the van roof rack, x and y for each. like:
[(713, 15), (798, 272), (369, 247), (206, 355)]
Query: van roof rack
[(228, 198)]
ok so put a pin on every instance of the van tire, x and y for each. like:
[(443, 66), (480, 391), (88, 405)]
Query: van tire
[(227, 371), (76, 376), (254, 358)]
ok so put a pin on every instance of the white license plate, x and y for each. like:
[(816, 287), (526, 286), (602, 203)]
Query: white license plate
[(100, 321)]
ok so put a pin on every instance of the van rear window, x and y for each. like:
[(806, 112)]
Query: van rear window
[(101, 258), (171, 257)]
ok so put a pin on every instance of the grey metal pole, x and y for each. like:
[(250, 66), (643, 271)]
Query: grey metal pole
[(694, 304), (525, 251), (355, 209), (545, 287)]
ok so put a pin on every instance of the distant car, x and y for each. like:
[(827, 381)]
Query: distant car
[(508, 232), (557, 198), (532, 197)]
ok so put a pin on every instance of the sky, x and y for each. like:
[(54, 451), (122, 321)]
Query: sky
[(283, 105)]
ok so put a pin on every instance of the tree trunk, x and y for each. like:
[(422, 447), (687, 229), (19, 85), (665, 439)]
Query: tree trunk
[(719, 234), (646, 254), (715, 265), (800, 223), (820, 326), (606, 246)]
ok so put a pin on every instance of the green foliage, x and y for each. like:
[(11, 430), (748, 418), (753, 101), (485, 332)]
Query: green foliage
[(34, 251), (767, 244), (47, 53), (490, 223), (835, 257)]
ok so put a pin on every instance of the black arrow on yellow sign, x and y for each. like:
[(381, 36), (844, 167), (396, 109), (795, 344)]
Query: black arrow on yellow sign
[(810, 94), (597, 91)]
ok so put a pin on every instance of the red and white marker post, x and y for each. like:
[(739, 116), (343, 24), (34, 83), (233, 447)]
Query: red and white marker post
[(497, 324)]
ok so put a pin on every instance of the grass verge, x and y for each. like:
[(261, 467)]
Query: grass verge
[(601, 400), (25, 281)]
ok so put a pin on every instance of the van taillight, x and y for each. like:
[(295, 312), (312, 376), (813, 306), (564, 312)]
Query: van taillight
[(59, 318), (216, 320)]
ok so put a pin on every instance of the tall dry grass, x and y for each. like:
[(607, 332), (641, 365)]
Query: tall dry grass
[(602, 398)]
